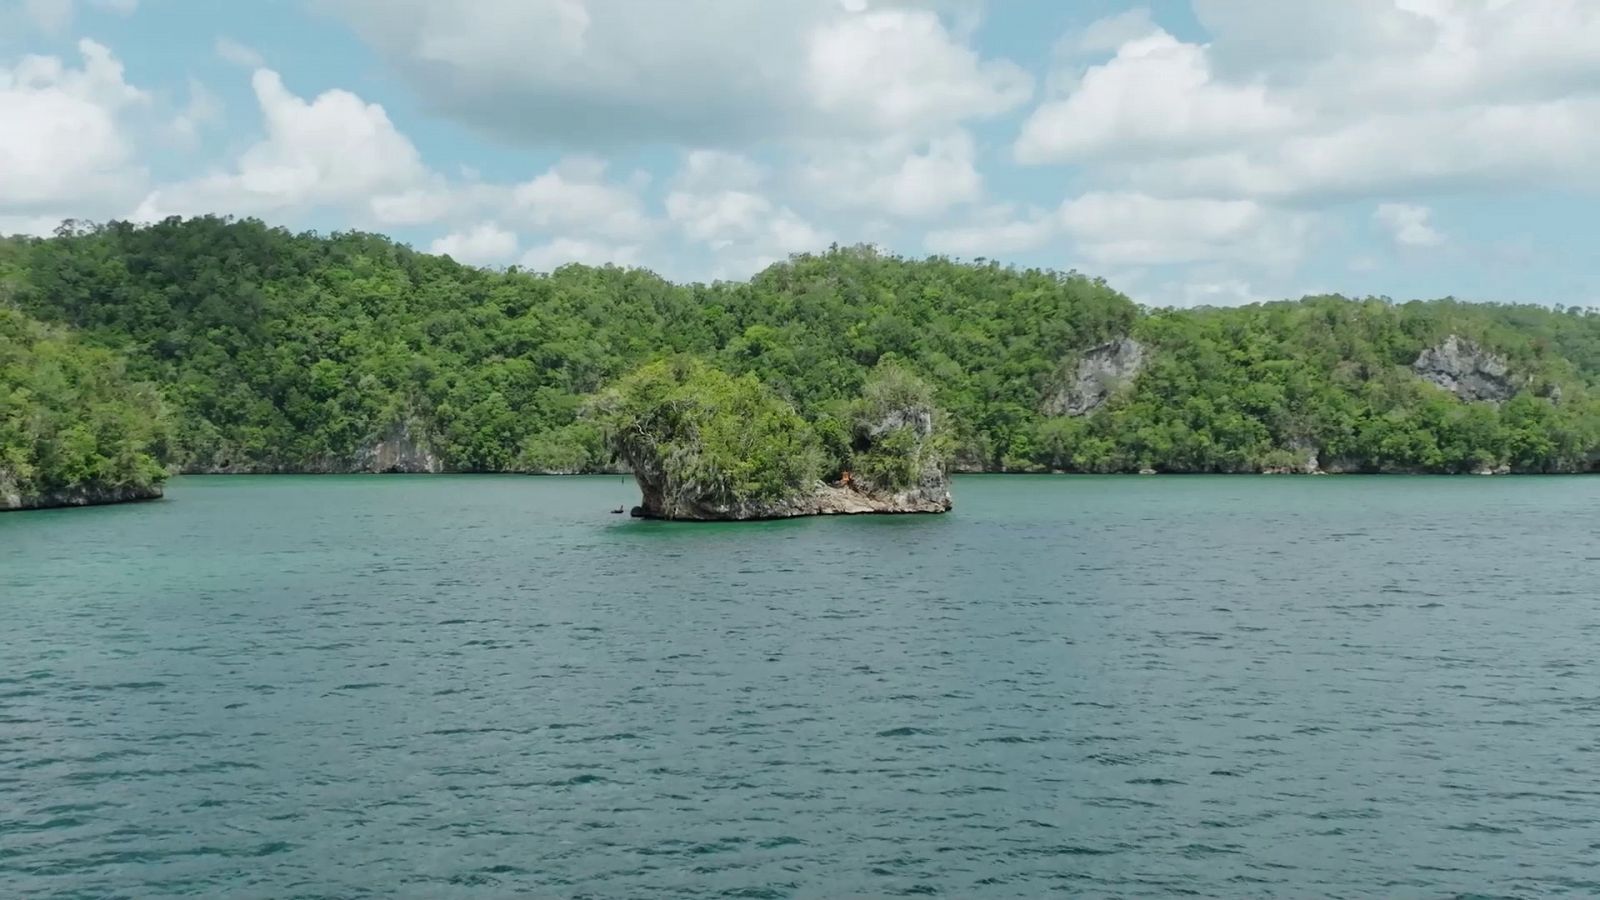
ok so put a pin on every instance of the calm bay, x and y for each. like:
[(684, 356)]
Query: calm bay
[(485, 686)]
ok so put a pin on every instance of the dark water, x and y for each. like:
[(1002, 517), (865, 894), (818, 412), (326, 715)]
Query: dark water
[(488, 687)]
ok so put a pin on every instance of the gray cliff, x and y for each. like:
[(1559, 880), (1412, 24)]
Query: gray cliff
[(1467, 370), (401, 447), (1100, 372), (13, 498)]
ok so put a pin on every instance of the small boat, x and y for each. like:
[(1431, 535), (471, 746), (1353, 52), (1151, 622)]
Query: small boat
[(619, 511)]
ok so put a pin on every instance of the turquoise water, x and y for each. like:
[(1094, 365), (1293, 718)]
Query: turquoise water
[(489, 687)]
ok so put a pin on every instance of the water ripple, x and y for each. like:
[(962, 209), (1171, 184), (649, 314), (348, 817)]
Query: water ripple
[(463, 688)]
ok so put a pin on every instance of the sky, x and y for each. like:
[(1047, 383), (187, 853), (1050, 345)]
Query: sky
[(1187, 151)]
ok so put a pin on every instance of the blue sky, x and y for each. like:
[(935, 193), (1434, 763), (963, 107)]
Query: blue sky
[(1189, 151)]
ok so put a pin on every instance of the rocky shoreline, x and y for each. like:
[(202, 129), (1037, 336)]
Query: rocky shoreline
[(825, 500), (12, 499)]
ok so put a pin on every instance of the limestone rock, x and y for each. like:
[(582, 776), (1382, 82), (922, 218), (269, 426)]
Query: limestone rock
[(1467, 370), (1305, 460), (823, 500), (402, 447), (1099, 373), (12, 497), (399, 448)]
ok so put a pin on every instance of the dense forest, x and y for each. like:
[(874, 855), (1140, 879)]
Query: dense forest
[(73, 428), (274, 351)]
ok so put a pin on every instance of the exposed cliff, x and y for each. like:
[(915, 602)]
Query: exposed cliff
[(12, 497), (402, 447), (1099, 373), (822, 500), (1467, 370)]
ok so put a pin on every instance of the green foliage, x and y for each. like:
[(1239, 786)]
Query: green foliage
[(276, 351), (896, 435), (565, 451), (711, 435), (69, 417), (1257, 387)]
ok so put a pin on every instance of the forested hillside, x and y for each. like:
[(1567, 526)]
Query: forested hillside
[(296, 352), (73, 428)]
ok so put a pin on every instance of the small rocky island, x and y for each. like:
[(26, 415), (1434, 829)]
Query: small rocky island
[(708, 446)]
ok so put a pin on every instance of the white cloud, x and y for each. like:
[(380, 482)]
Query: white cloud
[(481, 245), (334, 151), (433, 200), (203, 108), (1408, 225), (999, 230), (1139, 229), (33, 226), (1157, 95), (895, 177), (900, 71), (714, 169), (1479, 148), (575, 196), (242, 55), (1358, 99), (718, 200), (65, 146), (718, 219), (556, 253), (1224, 291), (591, 73)]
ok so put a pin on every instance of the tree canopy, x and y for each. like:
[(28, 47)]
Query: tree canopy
[(69, 417), (712, 435), (277, 351)]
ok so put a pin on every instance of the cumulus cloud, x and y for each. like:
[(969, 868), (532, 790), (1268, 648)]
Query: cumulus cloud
[(335, 150), (1313, 101), (588, 73), (1158, 95), (66, 146), (552, 255), (483, 244), (1408, 224), (998, 230), (899, 71), (718, 200), (1121, 228), (576, 196), (911, 180)]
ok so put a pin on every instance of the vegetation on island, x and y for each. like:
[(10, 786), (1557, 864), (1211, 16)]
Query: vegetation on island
[(276, 351), (72, 424), (702, 438), (708, 436)]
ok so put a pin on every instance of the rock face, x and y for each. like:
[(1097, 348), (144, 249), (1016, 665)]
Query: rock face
[(398, 449), (1100, 371), (12, 498), (1305, 460), (823, 500), (1463, 368)]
